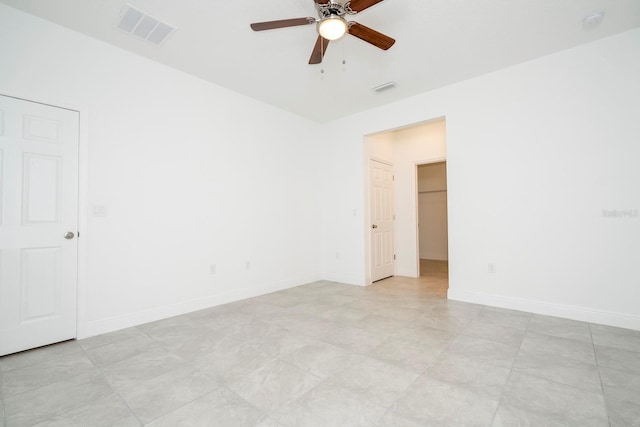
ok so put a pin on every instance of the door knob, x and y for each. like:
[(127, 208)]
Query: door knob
[(69, 235), (374, 226)]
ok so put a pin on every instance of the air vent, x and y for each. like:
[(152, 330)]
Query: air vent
[(385, 86), (144, 26)]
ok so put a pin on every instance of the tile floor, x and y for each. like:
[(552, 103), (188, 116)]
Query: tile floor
[(327, 354)]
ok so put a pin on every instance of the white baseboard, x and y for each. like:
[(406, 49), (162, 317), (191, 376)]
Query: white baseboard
[(157, 313), (620, 320)]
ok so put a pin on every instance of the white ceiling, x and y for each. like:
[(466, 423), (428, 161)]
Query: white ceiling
[(439, 42)]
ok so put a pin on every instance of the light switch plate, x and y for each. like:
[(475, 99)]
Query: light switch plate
[(99, 210)]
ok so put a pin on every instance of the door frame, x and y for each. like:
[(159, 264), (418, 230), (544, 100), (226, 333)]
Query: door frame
[(83, 175)]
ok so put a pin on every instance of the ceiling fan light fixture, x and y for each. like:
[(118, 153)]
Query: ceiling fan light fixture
[(332, 27)]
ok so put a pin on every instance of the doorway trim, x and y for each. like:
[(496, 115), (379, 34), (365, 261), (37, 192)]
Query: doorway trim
[(83, 192)]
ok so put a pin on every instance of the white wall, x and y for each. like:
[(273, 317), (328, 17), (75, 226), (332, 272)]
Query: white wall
[(535, 153), (432, 211), (380, 146), (192, 175)]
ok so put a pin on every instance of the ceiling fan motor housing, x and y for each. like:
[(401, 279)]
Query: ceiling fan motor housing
[(333, 8)]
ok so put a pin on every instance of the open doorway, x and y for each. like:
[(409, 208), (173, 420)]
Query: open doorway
[(433, 243), (404, 148)]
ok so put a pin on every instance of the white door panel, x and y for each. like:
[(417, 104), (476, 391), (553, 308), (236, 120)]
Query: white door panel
[(382, 262), (38, 205)]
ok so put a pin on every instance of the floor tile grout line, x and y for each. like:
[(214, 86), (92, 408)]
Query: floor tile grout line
[(487, 339), (225, 386), (595, 355), (186, 362), (47, 384), (36, 349), (4, 411), (420, 375), (197, 369), (106, 380), (595, 365), (116, 334), (401, 395), (192, 366), (57, 414), (504, 386), (556, 382), (4, 407)]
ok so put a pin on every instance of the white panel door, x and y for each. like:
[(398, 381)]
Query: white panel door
[(38, 206), (381, 185)]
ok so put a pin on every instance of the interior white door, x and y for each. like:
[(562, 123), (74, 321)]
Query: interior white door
[(38, 207), (381, 185)]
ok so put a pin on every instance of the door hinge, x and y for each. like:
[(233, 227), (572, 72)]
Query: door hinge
[(394, 256), (78, 234)]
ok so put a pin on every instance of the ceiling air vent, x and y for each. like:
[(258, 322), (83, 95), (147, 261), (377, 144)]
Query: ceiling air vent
[(144, 26), (385, 86)]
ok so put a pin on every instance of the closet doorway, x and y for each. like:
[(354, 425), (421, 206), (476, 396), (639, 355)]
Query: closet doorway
[(432, 239)]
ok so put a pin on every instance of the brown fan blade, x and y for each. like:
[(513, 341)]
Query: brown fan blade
[(360, 5), (283, 23), (370, 36), (319, 50)]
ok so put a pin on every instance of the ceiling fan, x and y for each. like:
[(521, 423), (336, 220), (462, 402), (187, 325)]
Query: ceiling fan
[(331, 25)]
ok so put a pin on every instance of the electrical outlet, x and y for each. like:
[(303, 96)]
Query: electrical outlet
[(491, 268), (337, 255), (247, 265), (212, 269)]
